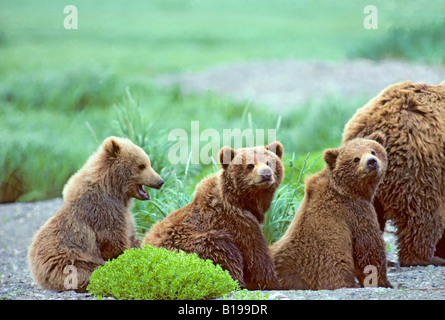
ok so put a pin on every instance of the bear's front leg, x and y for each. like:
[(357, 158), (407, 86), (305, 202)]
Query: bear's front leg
[(416, 248), (218, 246), (135, 242), (112, 243), (370, 256), (259, 270)]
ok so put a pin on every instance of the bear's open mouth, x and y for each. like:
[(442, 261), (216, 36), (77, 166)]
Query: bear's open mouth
[(143, 194)]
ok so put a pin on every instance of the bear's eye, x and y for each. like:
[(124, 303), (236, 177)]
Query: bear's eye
[(356, 159), (373, 153), (250, 166), (141, 166)]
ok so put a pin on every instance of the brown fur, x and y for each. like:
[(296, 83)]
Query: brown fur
[(335, 234), (222, 223), (412, 116), (94, 223)]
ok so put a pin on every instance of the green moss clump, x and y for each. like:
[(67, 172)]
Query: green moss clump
[(160, 274)]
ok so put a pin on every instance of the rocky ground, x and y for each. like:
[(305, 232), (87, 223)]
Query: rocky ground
[(281, 85)]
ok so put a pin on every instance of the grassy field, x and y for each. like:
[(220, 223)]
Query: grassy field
[(63, 91)]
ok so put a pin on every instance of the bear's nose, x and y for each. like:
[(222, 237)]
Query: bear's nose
[(266, 173), (160, 183), (372, 163)]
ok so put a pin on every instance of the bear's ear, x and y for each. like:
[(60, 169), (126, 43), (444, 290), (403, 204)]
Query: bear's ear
[(377, 136), (330, 156), (275, 147), (226, 155), (112, 147)]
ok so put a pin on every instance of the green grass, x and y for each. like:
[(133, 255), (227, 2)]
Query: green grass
[(423, 43), (153, 36), (70, 91), (44, 147)]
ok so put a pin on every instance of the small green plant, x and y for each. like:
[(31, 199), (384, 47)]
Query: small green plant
[(247, 295), (159, 274)]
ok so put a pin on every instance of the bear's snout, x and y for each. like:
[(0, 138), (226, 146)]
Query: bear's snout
[(372, 163), (266, 173), (263, 176)]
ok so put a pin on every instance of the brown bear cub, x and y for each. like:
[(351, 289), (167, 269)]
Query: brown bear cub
[(334, 236), (222, 223), (412, 195), (94, 223)]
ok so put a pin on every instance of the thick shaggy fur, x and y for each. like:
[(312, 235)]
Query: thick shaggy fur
[(223, 221), (94, 223), (412, 116), (334, 235)]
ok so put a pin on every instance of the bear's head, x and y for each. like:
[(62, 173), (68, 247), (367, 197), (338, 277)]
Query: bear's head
[(119, 169), (250, 176), (128, 168), (358, 166)]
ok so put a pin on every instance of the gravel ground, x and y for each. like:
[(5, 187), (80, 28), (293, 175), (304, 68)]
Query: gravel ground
[(20, 221)]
